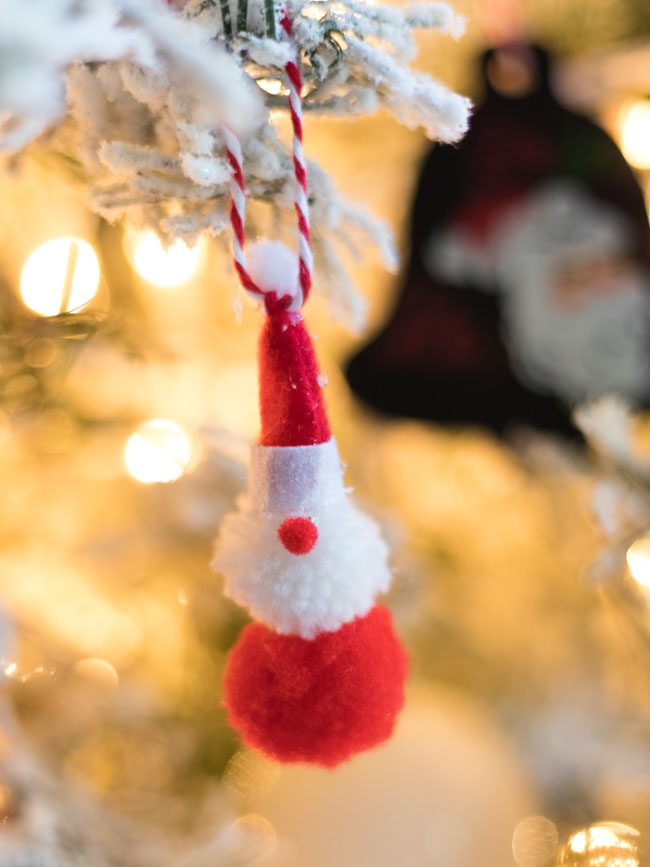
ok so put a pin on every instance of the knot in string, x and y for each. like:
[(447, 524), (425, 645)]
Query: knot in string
[(273, 303)]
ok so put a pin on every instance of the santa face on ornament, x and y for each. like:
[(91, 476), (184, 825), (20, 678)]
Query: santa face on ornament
[(575, 304), (298, 552)]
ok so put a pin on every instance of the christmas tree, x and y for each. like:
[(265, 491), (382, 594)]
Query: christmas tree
[(143, 143)]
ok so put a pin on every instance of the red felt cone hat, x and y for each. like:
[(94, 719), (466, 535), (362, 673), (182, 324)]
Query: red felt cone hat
[(291, 402), (292, 409)]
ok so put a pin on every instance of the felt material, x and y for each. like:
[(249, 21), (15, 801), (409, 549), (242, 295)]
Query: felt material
[(298, 535), (295, 479), (317, 701), (332, 584), (291, 402)]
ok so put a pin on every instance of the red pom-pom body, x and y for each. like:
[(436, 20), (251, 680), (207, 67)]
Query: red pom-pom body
[(318, 701), (298, 535)]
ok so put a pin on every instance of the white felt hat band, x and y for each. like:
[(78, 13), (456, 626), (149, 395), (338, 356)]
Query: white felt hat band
[(295, 479)]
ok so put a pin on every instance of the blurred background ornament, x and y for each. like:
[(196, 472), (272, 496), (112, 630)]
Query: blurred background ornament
[(527, 288)]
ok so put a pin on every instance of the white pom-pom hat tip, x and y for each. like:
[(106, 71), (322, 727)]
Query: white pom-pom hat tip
[(274, 268)]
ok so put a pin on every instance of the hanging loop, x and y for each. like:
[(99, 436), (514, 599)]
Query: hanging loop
[(238, 197)]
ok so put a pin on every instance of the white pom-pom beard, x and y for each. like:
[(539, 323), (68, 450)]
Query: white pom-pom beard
[(304, 594)]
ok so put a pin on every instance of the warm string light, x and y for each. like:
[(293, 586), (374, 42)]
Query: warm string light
[(256, 834), (606, 844), (13, 672), (7, 806), (271, 85), (638, 560), (633, 124), (162, 267), (60, 276), (99, 672), (159, 451)]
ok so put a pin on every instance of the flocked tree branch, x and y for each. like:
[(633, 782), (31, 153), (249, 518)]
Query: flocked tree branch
[(134, 95)]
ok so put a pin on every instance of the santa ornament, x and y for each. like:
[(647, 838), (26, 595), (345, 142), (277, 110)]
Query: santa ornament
[(319, 675), (526, 289)]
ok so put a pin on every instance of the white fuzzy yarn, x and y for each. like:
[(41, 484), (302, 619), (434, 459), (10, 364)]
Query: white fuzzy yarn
[(273, 267), (304, 595)]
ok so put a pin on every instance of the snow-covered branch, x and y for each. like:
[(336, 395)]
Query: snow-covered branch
[(134, 95)]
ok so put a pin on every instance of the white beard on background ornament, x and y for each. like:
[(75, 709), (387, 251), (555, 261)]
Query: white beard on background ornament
[(320, 675), (576, 306)]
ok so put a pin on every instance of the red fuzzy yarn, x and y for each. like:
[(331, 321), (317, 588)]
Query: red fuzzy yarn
[(298, 535), (318, 701)]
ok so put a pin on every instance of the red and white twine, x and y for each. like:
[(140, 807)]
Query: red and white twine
[(238, 191)]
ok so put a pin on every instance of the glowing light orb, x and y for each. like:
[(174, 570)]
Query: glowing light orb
[(607, 843), (257, 834), (165, 268), (159, 451), (99, 672), (638, 560), (270, 85), (634, 132), (60, 276)]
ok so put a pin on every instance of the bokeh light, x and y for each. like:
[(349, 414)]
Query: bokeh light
[(10, 669), (606, 844), (257, 834), (159, 451), (270, 85), (634, 132), (99, 673), (638, 560), (7, 805), (164, 267), (60, 276), (534, 842)]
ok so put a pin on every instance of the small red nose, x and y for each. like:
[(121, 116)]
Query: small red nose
[(298, 535)]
